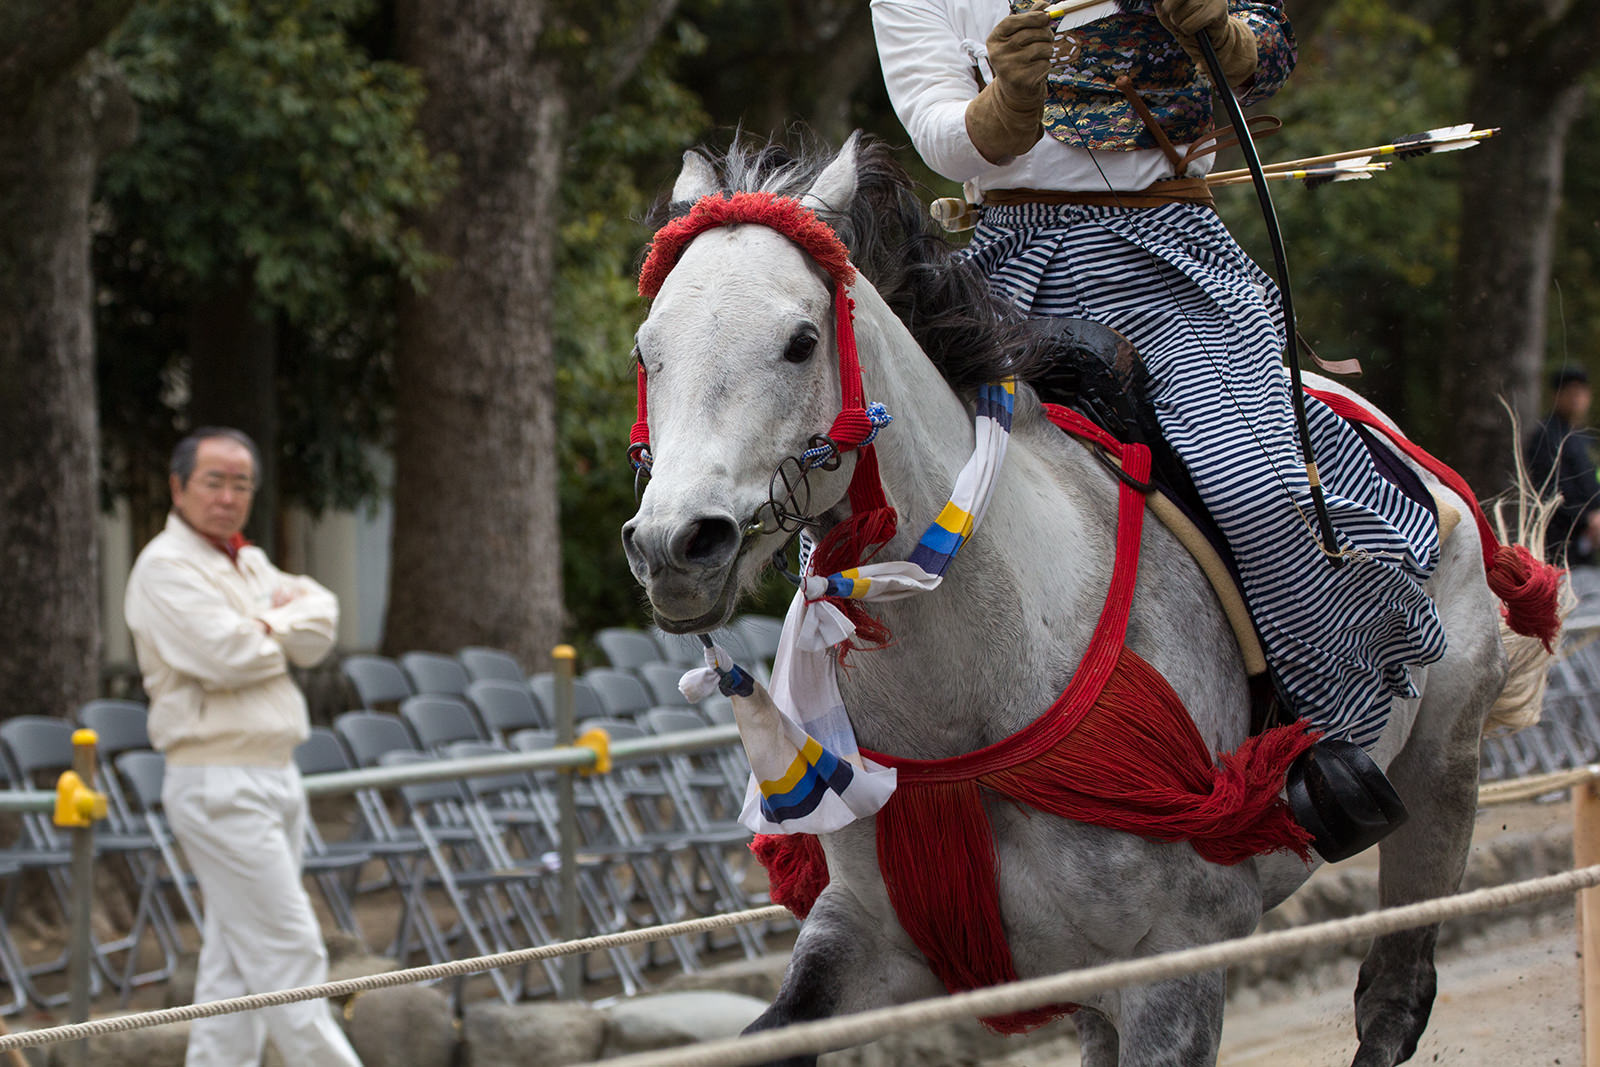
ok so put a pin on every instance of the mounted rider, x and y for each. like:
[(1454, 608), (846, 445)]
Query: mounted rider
[(1086, 147)]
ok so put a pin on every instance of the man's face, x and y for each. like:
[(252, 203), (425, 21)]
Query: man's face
[(1572, 402), (216, 500)]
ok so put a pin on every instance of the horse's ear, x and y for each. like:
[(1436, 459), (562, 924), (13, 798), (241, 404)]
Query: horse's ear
[(835, 187), (698, 178)]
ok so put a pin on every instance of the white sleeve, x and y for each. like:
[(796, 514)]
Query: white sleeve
[(307, 626), (195, 631), (928, 68)]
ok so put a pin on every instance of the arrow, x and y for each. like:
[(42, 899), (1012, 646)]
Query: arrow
[(1442, 139), (1353, 170)]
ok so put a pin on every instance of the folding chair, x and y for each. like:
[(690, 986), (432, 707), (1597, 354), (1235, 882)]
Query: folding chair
[(21, 857), (438, 720), (627, 649), (622, 695), (662, 681), (585, 703), (120, 726), (653, 806), (636, 871), (39, 749), (435, 674), (682, 650), (493, 663), (367, 735), (714, 783), (512, 811), (506, 707), (10, 956), (480, 891), (375, 679), (374, 835)]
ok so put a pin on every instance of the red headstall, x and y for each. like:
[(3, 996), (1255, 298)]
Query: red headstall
[(872, 522)]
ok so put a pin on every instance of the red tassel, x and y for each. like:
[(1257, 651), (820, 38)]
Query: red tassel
[(797, 870), (1530, 589)]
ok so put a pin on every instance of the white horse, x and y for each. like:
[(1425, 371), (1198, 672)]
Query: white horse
[(739, 357)]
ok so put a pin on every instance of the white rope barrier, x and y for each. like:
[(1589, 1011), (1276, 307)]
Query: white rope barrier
[(867, 1026), (351, 986), (1535, 785), (845, 1031)]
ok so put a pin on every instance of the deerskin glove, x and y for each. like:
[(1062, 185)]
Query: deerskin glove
[(1003, 119), (1232, 39)]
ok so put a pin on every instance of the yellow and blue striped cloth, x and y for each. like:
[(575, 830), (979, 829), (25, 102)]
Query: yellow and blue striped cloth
[(808, 774)]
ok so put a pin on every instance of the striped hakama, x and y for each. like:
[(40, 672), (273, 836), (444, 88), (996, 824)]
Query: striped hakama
[(1206, 321)]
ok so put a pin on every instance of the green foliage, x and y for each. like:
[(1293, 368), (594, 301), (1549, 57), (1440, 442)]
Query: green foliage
[(272, 150)]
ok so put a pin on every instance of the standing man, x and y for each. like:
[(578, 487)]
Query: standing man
[(216, 626), (1561, 460)]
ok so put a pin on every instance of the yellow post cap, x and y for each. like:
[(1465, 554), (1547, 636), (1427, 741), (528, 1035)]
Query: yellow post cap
[(85, 736), (563, 652)]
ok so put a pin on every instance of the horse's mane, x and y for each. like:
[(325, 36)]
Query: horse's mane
[(969, 333)]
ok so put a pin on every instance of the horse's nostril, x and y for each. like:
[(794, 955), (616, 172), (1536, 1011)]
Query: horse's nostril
[(710, 541)]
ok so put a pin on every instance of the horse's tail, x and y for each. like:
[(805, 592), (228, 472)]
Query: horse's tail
[(1520, 518)]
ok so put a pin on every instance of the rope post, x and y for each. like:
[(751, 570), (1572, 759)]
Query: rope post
[(76, 808), (1586, 852), (565, 657)]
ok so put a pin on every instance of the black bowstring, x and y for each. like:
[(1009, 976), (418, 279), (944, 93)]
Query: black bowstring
[(1205, 350)]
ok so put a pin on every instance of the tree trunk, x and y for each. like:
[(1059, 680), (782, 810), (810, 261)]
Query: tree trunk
[(233, 359), (50, 141), (476, 551), (1511, 192)]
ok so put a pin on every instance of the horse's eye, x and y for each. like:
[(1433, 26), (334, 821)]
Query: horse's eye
[(800, 346)]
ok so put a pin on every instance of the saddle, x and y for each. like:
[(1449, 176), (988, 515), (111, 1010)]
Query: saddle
[(1095, 371), (1334, 789)]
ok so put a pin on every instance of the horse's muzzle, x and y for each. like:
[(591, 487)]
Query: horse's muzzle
[(686, 567)]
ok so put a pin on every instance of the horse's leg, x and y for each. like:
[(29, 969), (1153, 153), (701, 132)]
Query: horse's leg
[(1176, 1023), (843, 962), (1097, 1038), (1436, 774)]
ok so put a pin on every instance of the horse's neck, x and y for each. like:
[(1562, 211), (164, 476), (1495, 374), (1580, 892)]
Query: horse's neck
[(1015, 609)]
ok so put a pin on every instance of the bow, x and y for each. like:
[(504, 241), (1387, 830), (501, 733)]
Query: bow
[(1297, 398)]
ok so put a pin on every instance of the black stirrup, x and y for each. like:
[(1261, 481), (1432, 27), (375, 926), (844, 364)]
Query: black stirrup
[(1342, 797)]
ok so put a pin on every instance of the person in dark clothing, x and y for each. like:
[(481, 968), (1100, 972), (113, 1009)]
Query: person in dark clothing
[(1561, 459)]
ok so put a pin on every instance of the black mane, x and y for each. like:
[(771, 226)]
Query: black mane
[(970, 334)]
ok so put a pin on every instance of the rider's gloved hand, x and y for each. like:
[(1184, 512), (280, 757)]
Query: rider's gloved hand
[(1235, 44), (1003, 119)]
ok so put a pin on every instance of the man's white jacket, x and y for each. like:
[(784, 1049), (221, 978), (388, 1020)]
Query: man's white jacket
[(219, 685)]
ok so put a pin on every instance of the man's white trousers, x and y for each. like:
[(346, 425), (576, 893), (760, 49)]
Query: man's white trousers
[(243, 830)]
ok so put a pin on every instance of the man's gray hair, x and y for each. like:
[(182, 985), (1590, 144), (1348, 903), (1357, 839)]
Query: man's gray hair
[(187, 453)]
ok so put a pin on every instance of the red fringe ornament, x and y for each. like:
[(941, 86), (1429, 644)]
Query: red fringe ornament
[(1529, 588), (796, 869)]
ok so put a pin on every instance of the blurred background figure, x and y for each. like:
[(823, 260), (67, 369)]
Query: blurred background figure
[(1560, 453)]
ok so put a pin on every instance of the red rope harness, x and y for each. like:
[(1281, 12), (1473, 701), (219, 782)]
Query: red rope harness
[(1116, 749), (872, 521)]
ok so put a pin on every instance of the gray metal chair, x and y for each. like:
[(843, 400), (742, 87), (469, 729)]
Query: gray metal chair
[(627, 649), (494, 663), (40, 749), (480, 890), (662, 681), (374, 835), (506, 707), (760, 634), (435, 674), (585, 703), (436, 721), (377, 680), (622, 694)]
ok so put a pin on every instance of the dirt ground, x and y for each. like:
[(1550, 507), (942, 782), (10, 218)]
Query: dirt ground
[(1508, 996)]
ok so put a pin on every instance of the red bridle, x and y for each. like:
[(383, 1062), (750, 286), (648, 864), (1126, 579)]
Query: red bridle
[(873, 521)]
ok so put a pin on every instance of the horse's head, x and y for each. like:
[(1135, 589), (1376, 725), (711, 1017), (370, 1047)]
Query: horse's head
[(741, 368)]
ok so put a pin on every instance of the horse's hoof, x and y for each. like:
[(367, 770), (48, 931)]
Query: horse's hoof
[(1342, 798)]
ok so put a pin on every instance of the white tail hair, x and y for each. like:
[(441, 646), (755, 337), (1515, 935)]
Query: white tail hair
[(1520, 517)]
